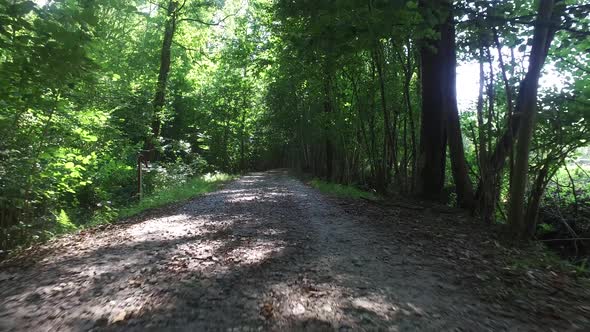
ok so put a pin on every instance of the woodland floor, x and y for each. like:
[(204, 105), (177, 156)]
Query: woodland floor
[(268, 252)]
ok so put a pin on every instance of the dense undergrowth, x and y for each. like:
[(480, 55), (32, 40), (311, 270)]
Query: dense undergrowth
[(564, 217), (169, 191)]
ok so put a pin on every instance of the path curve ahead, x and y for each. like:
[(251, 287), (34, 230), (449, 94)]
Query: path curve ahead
[(264, 253)]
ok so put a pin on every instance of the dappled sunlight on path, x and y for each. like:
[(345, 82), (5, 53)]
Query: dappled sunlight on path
[(265, 252)]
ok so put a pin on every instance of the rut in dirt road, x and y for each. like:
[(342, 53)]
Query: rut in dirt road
[(264, 253)]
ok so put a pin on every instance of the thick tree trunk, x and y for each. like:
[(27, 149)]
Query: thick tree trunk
[(526, 110), (448, 58), (160, 96), (433, 134)]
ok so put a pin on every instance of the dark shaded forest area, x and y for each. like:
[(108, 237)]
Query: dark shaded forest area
[(103, 102)]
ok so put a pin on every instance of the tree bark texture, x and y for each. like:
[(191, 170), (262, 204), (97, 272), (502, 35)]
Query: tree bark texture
[(526, 107)]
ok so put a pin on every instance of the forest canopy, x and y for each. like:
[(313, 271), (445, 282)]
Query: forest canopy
[(358, 92)]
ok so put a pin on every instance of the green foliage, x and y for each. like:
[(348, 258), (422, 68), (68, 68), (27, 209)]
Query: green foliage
[(342, 190), (177, 193), (76, 82), (64, 224), (546, 228), (330, 87)]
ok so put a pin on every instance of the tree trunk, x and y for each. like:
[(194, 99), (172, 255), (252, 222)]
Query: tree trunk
[(448, 58), (526, 110), (328, 110), (160, 96), (527, 90), (488, 186), (507, 86), (388, 140), (532, 210), (243, 142), (408, 71), (433, 134)]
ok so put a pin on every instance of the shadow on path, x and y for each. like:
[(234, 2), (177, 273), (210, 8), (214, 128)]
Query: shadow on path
[(266, 252)]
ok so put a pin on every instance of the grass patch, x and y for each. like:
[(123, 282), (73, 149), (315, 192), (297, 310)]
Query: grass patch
[(185, 191), (341, 190), (540, 257)]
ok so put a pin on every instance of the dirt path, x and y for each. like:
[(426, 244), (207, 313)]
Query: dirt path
[(264, 253)]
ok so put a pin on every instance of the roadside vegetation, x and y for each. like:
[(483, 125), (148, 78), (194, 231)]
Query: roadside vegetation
[(165, 195), (176, 193)]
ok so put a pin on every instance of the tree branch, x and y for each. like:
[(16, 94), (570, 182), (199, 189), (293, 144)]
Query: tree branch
[(207, 23), (525, 20), (574, 63), (186, 48)]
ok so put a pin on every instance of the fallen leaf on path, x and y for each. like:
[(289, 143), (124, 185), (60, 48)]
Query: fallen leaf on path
[(298, 309), (119, 317), (5, 276), (267, 310)]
